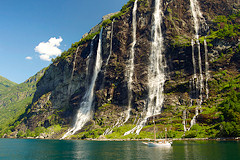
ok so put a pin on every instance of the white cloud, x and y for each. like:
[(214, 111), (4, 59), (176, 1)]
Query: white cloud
[(28, 58), (45, 57), (49, 50)]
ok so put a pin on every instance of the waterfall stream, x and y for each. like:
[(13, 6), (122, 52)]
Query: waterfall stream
[(193, 60), (85, 113), (129, 73), (206, 67), (74, 65), (130, 67), (197, 86), (111, 44), (184, 120), (156, 72), (89, 58)]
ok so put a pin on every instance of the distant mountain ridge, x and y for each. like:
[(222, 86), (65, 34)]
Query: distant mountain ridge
[(5, 83), (14, 98)]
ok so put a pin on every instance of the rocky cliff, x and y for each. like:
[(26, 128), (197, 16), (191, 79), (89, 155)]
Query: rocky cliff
[(191, 104)]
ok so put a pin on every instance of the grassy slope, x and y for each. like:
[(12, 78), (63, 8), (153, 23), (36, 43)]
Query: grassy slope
[(15, 99), (5, 83)]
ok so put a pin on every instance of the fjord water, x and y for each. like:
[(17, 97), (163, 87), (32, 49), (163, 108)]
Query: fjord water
[(61, 149)]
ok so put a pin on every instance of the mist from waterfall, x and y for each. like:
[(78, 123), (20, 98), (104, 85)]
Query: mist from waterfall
[(85, 111), (156, 72)]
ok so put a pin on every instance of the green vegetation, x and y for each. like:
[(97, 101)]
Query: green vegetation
[(5, 83), (182, 41), (225, 28), (230, 108), (14, 101), (40, 131)]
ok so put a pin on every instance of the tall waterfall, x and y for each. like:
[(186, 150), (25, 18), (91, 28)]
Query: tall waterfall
[(196, 13), (74, 64), (130, 66), (197, 81), (111, 43), (193, 60), (85, 112), (129, 73), (89, 56), (197, 19), (206, 68), (184, 120), (156, 74)]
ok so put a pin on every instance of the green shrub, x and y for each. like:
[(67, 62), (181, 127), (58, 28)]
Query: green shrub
[(229, 129)]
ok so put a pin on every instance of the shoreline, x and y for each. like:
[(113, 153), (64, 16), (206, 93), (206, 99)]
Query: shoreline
[(171, 139), (146, 139)]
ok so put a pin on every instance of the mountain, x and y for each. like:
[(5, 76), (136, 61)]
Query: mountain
[(16, 98), (5, 83), (172, 62)]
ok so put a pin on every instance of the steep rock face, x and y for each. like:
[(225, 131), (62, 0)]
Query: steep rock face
[(65, 82)]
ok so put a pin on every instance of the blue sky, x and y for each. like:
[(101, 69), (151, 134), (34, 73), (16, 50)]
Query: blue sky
[(24, 24)]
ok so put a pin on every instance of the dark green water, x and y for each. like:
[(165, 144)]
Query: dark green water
[(20, 149)]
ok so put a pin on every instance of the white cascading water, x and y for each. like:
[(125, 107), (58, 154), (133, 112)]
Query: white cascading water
[(85, 111), (74, 64), (199, 87), (206, 68), (111, 43), (200, 80), (89, 56), (129, 73), (109, 56), (193, 121), (197, 18), (184, 120), (193, 60), (130, 66), (156, 72)]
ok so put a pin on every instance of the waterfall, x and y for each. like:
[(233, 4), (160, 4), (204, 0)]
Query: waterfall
[(193, 60), (85, 112), (197, 16), (198, 86), (197, 19), (129, 72), (130, 67), (193, 121), (184, 120), (74, 64), (156, 74), (89, 56), (200, 80), (111, 44), (206, 67)]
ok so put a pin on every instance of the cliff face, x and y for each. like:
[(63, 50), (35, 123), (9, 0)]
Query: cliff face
[(64, 84)]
